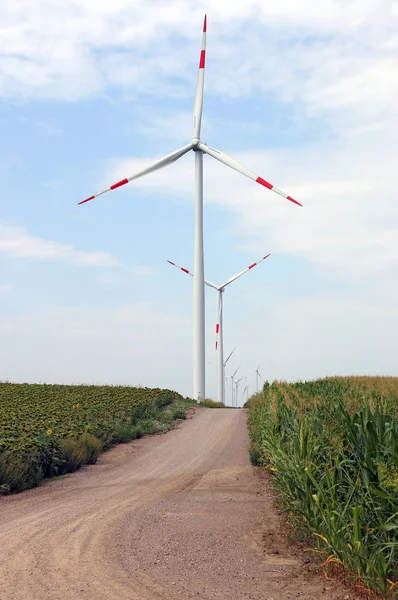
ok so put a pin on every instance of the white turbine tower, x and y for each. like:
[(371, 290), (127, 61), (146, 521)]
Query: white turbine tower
[(199, 148), (219, 323)]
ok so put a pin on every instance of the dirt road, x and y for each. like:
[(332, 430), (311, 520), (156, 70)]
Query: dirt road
[(176, 516)]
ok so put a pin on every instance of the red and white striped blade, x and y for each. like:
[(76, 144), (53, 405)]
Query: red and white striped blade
[(231, 279), (218, 323), (208, 283), (234, 164), (159, 164), (181, 268), (198, 106)]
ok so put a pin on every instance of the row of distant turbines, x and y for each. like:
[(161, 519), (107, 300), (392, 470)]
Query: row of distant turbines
[(235, 384), (199, 148), (219, 323)]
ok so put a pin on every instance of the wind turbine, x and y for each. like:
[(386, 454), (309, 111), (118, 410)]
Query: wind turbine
[(219, 324), (232, 385), (237, 387), (199, 148), (257, 372), (246, 390), (224, 377)]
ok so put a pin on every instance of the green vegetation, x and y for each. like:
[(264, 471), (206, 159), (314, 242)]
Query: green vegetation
[(332, 447), (49, 430), (211, 403)]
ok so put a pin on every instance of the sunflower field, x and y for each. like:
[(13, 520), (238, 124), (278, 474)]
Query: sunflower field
[(48, 430), (331, 446)]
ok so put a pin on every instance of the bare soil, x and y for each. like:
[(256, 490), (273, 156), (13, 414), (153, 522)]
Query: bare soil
[(176, 516)]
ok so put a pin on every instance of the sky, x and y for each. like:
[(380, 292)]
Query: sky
[(302, 93)]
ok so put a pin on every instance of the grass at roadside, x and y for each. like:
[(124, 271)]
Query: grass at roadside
[(332, 448), (48, 431), (211, 403)]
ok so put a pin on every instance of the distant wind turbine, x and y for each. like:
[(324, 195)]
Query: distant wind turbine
[(224, 376), (237, 391), (199, 148), (232, 385), (219, 323), (246, 389), (257, 372)]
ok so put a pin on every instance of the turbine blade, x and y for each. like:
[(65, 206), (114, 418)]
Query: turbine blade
[(159, 164), (229, 356), (234, 164), (219, 309), (190, 273), (197, 109), (181, 268), (212, 285), (231, 279)]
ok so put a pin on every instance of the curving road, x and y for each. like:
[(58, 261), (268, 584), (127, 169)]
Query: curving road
[(176, 516)]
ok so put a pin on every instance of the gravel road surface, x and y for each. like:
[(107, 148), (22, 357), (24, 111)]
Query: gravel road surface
[(175, 516)]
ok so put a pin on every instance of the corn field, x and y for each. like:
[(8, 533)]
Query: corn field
[(332, 448)]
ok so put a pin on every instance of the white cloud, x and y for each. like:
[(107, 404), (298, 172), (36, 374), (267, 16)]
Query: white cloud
[(167, 124), (125, 274), (334, 61), (334, 64), (125, 321), (143, 270), (16, 243), (349, 222), (325, 55), (5, 288)]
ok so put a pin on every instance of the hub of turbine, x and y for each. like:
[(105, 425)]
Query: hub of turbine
[(195, 142)]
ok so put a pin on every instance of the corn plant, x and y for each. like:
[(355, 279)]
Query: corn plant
[(332, 446)]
